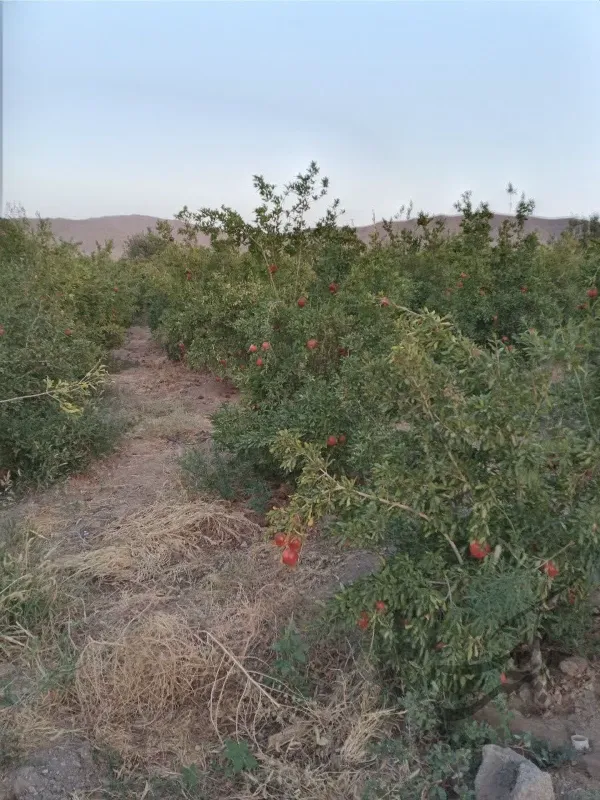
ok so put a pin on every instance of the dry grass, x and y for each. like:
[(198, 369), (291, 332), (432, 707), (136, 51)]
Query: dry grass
[(167, 669), (164, 692), (168, 417), (164, 672), (149, 544), (321, 749), (159, 685)]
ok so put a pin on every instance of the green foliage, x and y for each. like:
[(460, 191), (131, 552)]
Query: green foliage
[(26, 598), (290, 666), (238, 758), (459, 377), (141, 246), (60, 311), (540, 752), (226, 476)]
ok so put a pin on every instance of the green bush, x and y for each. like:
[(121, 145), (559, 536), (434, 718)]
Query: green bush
[(60, 311), (218, 473), (448, 411)]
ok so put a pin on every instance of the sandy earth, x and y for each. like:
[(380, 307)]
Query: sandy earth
[(171, 408)]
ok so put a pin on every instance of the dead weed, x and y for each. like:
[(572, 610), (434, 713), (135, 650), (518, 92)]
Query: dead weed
[(145, 545)]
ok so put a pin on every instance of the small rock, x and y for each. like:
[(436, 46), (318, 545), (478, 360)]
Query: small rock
[(506, 775), (574, 666), (24, 784), (526, 694)]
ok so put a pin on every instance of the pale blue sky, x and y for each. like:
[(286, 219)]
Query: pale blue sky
[(142, 107)]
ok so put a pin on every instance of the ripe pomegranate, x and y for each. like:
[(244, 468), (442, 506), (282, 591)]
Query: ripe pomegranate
[(384, 301), (259, 362), (289, 557), (524, 290), (2, 331), (273, 268), (478, 550), (266, 346), (181, 347), (572, 597), (333, 287), (592, 293), (505, 338), (302, 302), (279, 539), (311, 344), (188, 275), (460, 285), (68, 331), (223, 362), (115, 289), (343, 351), (342, 438), (253, 348), (503, 678), (295, 543), (332, 441), (363, 621), (550, 569), (381, 606)]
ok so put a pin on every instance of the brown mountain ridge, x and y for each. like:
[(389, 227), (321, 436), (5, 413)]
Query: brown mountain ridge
[(99, 230)]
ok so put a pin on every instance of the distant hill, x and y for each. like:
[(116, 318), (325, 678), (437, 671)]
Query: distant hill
[(119, 228), (546, 228)]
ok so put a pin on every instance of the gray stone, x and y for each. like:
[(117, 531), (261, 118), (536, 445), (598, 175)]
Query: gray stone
[(506, 775), (574, 666), (54, 774), (26, 783)]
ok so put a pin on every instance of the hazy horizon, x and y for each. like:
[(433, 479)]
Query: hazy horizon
[(141, 108), (343, 220)]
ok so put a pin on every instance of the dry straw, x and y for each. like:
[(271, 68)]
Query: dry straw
[(145, 545)]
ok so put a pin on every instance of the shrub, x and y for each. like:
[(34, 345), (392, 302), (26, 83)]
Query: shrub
[(481, 474), (433, 393), (59, 313), (230, 478)]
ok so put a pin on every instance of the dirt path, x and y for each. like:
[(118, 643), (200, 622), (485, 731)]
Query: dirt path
[(169, 407)]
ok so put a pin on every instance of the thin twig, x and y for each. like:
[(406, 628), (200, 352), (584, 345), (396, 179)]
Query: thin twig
[(241, 668), (366, 496), (393, 504)]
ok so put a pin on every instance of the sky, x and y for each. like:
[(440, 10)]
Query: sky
[(144, 107)]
